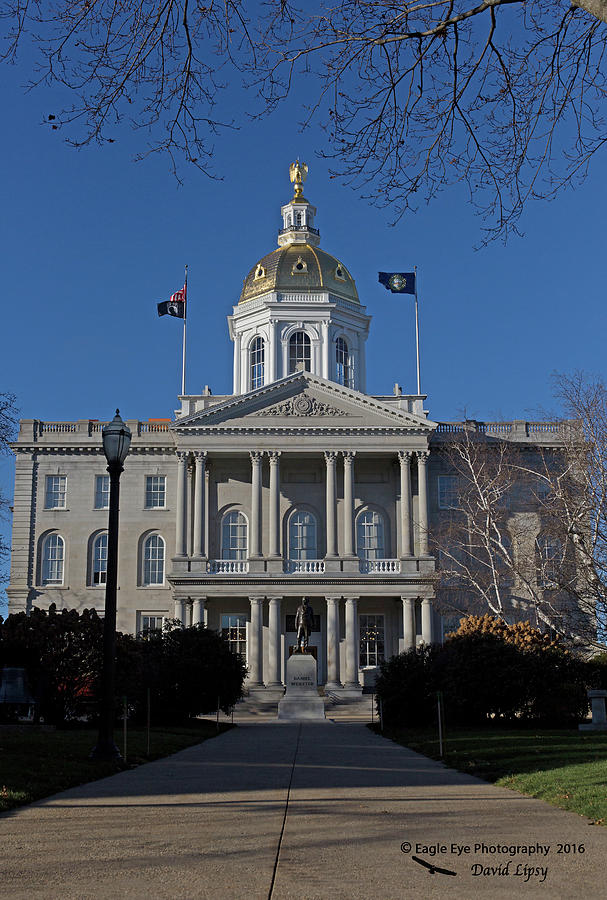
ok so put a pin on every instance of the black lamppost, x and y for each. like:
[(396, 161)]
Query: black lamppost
[(116, 442)]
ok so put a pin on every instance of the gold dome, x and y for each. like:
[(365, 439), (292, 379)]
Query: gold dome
[(297, 267)]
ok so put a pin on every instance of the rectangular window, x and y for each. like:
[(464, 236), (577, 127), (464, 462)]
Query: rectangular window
[(150, 623), (371, 640), (155, 491), (102, 491), (56, 487), (447, 492), (234, 630)]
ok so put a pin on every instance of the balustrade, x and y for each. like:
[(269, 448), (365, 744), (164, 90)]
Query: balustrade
[(380, 566), (228, 566), (305, 566)]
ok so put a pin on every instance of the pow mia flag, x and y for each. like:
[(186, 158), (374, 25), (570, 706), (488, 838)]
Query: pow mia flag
[(398, 282), (175, 306)]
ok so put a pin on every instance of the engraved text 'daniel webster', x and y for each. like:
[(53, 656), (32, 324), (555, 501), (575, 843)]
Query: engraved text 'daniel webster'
[(302, 405)]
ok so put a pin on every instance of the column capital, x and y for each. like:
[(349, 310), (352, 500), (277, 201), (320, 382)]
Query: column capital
[(422, 455), (274, 456), (348, 455), (256, 455), (255, 600), (405, 456), (182, 455), (200, 455), (330, 455)]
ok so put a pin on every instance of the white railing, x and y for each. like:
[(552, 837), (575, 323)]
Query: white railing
[(228, 566), (152, 427), (305, 566), (57, 427), (380, 566)]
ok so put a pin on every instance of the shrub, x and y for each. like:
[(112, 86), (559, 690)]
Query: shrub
[(61, 652), (405, 687), (188, 671), (488, 669)]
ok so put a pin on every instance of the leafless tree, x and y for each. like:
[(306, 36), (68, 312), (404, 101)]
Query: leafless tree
[(503, 95), (527, 534), (8, 427)]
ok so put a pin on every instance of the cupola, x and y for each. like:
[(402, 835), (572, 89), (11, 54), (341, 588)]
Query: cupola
[(299, 308)]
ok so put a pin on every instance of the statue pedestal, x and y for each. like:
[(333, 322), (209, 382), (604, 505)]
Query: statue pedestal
[(301, 700)]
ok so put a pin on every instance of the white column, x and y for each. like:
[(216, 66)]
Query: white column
[(274, 666), (254, 543), (180, 611), (427, 629), (274, 502), (352, 643), (330, 457), (200, 457), (255, 660), (237, 342), (324, 330), (422, 481), (182, 505), (207, 476), (270, 363), (349, 502), (404, 457), (333, 681), (198, 611), (408, 622)]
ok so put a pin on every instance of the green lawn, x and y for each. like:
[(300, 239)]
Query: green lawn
[(36, 764), (565, 768)]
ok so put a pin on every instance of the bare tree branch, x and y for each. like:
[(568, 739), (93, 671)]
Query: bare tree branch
[(505, 96)]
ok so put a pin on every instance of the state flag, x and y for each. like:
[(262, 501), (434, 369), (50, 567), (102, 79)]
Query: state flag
[(398, 282)]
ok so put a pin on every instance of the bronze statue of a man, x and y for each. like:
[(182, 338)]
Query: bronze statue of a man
[(304, 624)]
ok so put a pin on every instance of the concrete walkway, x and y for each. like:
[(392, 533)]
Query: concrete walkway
[(295, 811)]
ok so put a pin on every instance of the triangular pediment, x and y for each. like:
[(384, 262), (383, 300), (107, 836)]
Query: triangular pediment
[(302, 401)]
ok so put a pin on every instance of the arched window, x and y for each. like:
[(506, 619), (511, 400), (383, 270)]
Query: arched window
[(53, 554), (300, 353), (302, 536), (370, 542), (256, 364), (153, 560), (99, 560), (234, 536), (548, 553), (344, 363)]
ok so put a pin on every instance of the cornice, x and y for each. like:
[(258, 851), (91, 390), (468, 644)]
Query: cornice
[(299, 585)]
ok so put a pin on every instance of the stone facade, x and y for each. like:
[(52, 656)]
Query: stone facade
[(297, 484)]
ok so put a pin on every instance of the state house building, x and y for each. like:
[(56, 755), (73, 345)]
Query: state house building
[(299, 483)]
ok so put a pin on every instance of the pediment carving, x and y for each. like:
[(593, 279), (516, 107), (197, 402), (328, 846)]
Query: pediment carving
[(301, 405)]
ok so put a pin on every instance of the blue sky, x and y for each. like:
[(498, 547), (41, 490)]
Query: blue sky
[(92, 241)]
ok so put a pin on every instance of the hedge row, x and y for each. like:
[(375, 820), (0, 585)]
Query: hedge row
[(186, 671), (489, 670)]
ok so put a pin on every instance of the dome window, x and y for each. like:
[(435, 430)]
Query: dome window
[(299, 267), (343, 360), (340, 275), (256, 364), (300, 352), (260, 272)]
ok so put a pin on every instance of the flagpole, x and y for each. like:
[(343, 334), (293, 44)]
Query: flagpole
[(419, 387), (185, 313)]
